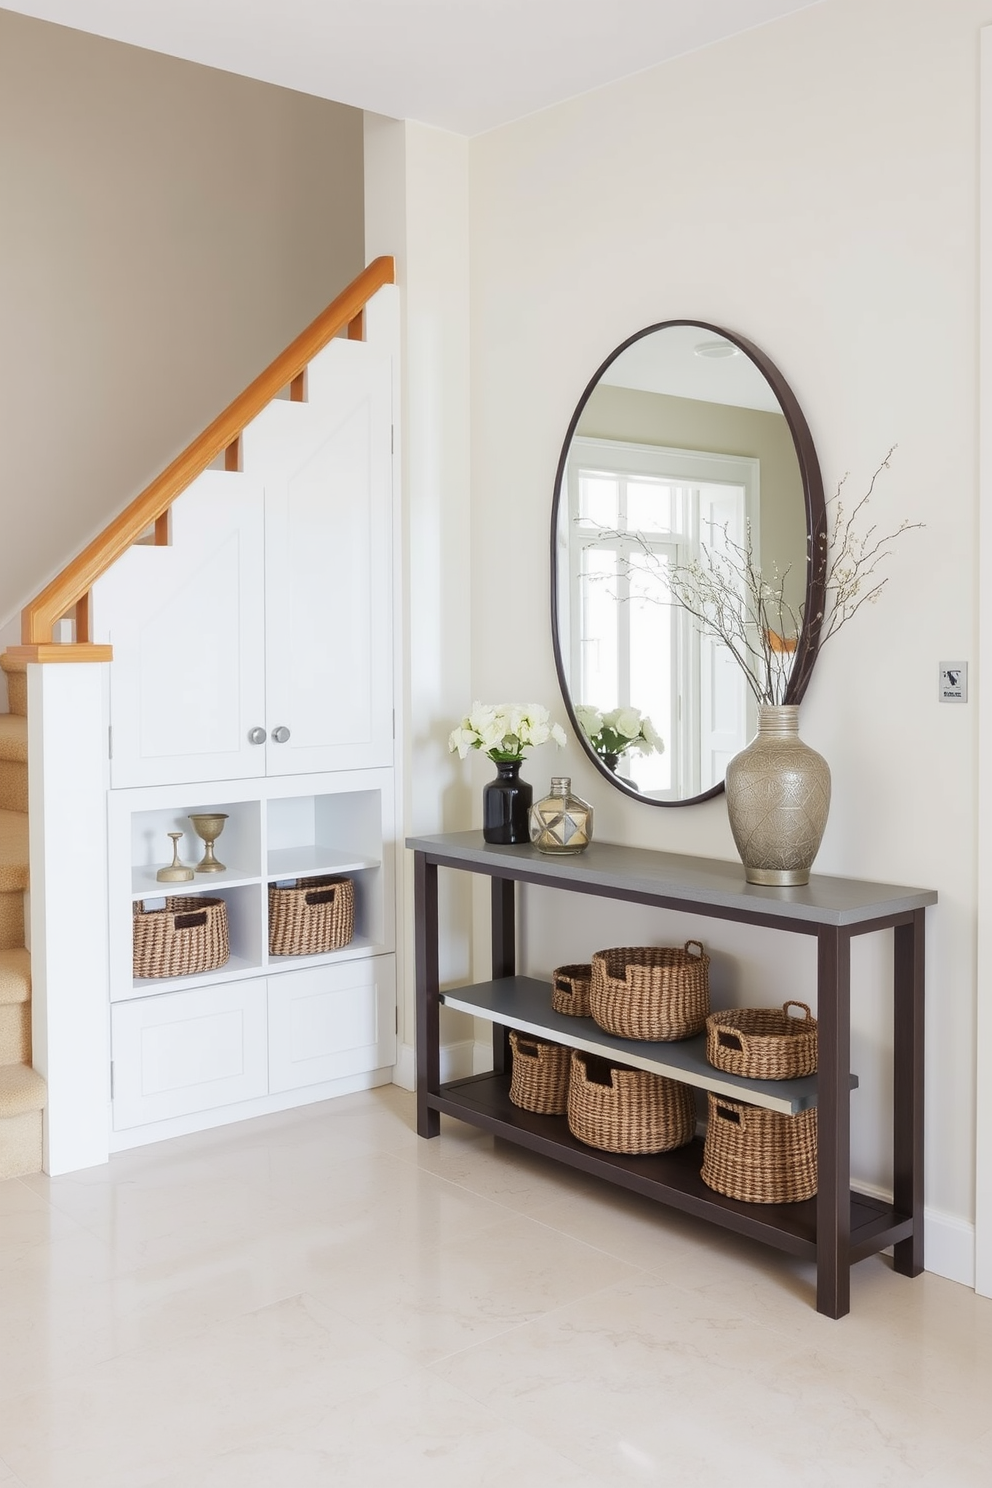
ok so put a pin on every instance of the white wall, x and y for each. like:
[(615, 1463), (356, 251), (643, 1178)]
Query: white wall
[(812, 185), (416, 208)]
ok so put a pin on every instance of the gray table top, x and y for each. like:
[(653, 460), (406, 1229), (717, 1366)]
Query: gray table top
[(708, 882)]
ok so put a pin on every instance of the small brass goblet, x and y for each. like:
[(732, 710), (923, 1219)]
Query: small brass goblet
[(176, 872), (209, 825)]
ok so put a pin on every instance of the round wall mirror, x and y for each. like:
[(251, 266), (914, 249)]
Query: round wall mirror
[(686, 438)]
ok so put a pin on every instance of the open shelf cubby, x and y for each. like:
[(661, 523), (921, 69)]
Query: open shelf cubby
[(244, 929), (239, 846)]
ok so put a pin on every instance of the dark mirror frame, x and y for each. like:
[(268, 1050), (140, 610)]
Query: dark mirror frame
[(816, 537)]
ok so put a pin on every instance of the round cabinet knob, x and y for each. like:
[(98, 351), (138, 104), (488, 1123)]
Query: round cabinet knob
[(256, 736), (280, 734)]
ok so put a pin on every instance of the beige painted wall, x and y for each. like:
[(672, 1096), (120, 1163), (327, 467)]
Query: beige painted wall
[(166, 230), (823, 203)]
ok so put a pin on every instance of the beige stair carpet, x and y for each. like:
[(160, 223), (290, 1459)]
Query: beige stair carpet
[(15, 975), (22, 1089), (13, 762), (17, 684), (15, 1005), (12, 920), (13, 851)]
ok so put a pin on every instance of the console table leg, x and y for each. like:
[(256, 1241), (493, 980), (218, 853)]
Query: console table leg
[(908, 1085), (504, 959), (428, 994), (833, 1200)]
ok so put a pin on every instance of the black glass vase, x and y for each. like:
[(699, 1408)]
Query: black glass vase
[(506, 802)]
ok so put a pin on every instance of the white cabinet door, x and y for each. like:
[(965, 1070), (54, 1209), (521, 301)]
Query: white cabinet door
[(188, 1051), (330, 1021), (186, 622), (327, 471)]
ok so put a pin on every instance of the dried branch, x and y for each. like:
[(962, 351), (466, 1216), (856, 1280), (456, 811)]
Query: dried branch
[(734, 602)]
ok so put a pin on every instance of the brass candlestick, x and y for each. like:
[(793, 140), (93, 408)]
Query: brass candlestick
[(209, 826), (176, 872)]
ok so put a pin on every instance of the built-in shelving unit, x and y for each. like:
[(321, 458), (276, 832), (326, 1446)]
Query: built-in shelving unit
[(836, 1228), (262, 1030), (303, 828)]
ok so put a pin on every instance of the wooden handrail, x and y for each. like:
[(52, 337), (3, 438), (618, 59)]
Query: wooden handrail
[(73, 584)]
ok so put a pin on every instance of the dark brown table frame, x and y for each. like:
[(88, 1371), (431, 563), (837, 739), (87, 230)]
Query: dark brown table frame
[(838, 1227)]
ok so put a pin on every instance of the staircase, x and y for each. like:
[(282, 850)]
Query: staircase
[(22, 1090), (71, 918)]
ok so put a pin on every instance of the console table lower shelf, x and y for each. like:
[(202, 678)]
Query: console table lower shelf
[(670, 1178)]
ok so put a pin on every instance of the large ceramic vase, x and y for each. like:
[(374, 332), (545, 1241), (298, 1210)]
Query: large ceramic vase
[(506, 803), (778, 796)]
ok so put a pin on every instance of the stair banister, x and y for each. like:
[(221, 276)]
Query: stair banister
[(69, 591)]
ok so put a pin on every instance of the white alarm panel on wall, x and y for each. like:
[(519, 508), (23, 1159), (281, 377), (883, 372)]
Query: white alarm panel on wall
[(259, 640)]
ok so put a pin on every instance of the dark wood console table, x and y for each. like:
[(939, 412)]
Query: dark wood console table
[(836, 1228)]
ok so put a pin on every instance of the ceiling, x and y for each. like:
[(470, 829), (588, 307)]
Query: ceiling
[(462, 65)]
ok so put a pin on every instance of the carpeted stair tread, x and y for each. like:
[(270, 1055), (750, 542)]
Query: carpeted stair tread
[(17, 684), (21, 1089), (15, 975), (13, 850), (13, 737)]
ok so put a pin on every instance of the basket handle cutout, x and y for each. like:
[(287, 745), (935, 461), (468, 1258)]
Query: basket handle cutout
[(320, 896), (727, 1114), (190, 921), (792, 1003), (528, 1047), (699, 947), (728, 1040)]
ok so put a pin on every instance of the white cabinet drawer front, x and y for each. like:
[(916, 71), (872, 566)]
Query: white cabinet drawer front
[(188, 1051), (330, 1021)]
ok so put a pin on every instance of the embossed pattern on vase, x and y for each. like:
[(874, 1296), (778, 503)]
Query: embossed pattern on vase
[(778, 797)]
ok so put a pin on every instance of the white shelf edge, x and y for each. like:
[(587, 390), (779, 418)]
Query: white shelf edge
[(359, 946), (306, 861), (201, 885), (653, 1066), (238, 968)]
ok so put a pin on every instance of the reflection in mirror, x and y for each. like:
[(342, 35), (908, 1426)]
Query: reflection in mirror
[(679, 448)]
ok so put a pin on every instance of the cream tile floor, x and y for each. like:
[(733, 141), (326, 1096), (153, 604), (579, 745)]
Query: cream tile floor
[(320, 1298)]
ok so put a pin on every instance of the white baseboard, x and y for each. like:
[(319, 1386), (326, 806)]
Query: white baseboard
[(458, 1062), (949, 1246), (948, 1242), (405, 1068)]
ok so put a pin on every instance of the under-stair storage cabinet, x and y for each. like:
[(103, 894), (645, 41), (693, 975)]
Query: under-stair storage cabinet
[(258, 639), (252, 676), (262, 1031)]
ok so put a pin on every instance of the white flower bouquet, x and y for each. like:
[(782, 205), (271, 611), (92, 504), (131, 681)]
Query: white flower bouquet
[(612, 734), (505, 730)]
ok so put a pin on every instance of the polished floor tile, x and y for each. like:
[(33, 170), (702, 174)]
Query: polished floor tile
[(319, 1297)]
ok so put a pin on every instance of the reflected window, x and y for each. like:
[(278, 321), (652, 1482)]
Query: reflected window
[(634, 511)]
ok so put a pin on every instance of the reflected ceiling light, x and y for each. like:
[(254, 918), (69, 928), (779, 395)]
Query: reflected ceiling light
[(717, 349)]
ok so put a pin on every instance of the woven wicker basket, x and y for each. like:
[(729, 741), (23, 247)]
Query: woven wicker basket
[(540, 1075), (188, 936), (651, 992), (627, 1110), (315, 915), (759, 1156), (570, 990), (763, 1043)]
